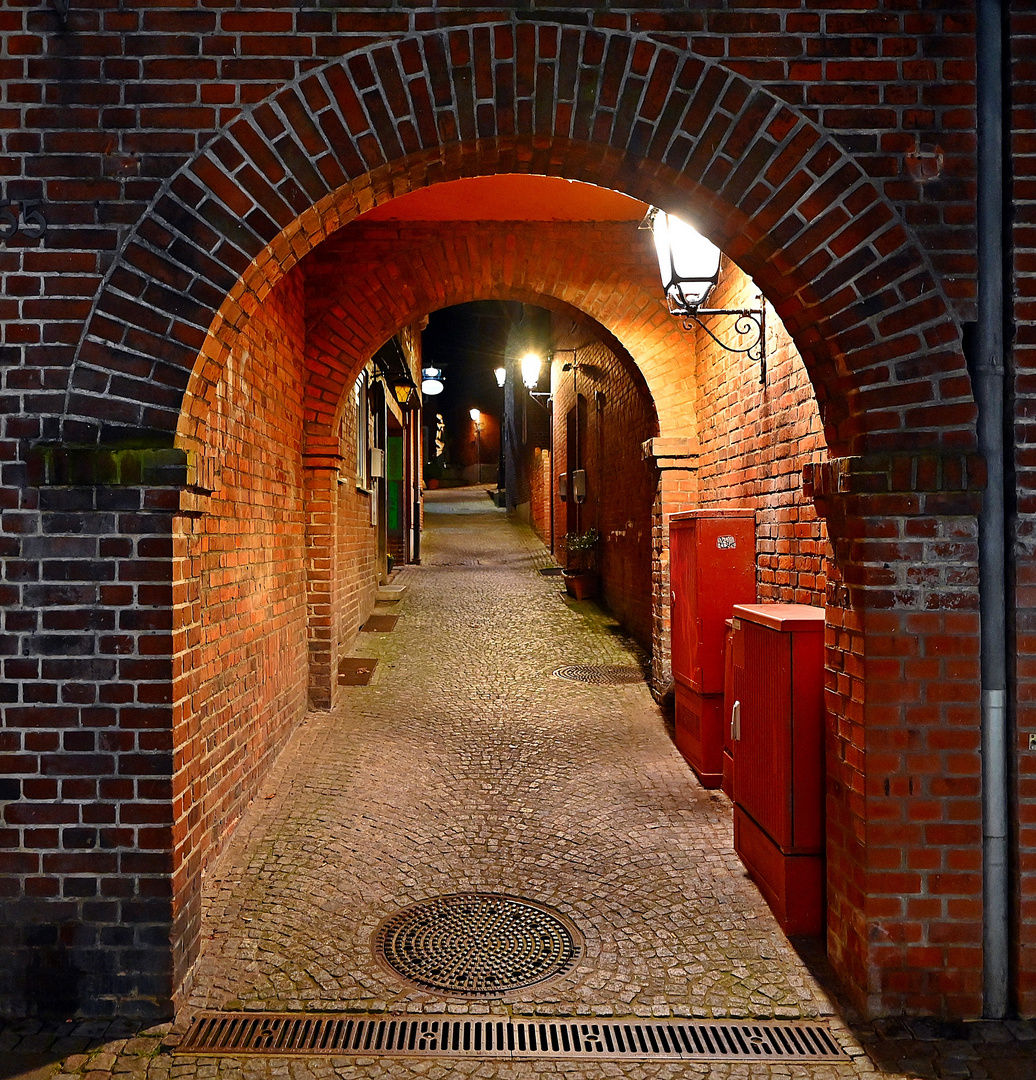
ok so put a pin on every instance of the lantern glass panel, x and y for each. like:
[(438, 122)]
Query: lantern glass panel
[(687, 262)]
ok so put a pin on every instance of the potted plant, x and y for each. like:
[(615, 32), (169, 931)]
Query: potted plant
[(579, 573)]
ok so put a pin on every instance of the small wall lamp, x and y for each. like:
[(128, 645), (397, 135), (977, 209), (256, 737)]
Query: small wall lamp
[(531, 365), (689, 267), (501, 375)]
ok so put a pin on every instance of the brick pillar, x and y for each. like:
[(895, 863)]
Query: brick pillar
[(88, 755), (904, 843), (321, 494), (677, 462)]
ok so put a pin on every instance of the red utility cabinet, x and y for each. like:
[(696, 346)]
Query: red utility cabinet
[(728, 702), (777, 725), (711, 568)]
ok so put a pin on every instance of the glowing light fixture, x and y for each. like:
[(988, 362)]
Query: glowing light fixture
[(476, 416), (531, 365), (689, 266), (431, 381), (501, 375), (688, 263)]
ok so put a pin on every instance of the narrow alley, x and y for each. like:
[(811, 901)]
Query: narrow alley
[(468, 765)]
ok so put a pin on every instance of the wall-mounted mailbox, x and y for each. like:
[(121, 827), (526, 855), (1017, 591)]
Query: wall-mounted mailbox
[(377, 462), (579, 484), (563, 486)]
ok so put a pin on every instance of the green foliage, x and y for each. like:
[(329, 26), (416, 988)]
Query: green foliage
[(580, 548), (582, 541)]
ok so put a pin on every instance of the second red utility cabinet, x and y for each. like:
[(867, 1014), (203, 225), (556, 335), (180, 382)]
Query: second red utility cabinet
[(777, 672), (711, 568)]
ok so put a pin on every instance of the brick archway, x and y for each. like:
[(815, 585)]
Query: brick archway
[(440, 268), (766, 184), (790, 206)]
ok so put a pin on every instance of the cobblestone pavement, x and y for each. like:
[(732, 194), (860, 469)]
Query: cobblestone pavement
[(466, 765)]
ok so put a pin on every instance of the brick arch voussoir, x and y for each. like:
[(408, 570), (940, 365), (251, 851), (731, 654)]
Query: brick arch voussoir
[(342, 345), (432, 272), (603, 106)]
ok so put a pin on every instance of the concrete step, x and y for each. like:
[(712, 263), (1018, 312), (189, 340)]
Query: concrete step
[(389, 594)]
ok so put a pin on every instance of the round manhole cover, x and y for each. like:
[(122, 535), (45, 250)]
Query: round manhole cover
[(477, 944), (600, 673)]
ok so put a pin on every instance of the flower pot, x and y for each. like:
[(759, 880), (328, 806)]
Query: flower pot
[(581, 584)]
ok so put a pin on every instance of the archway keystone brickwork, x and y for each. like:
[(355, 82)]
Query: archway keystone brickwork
[(835, 253)]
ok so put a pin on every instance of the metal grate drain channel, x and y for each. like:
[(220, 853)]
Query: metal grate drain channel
[(300, 1034), (600, 674)]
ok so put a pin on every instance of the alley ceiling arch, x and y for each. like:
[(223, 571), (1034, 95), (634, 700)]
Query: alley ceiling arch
[(772, 189), (573, 248)]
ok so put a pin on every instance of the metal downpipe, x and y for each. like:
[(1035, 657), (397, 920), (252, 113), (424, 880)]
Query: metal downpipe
[(989, 393)]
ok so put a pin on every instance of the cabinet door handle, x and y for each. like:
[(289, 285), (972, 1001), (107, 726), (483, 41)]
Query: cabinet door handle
[(735, 722)]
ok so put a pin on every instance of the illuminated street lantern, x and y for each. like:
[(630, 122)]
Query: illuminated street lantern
[(689, 267), (688, 263), (531, 366)]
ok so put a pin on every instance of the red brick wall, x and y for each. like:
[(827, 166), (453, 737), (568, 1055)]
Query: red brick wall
[(829, 152), (356, 548), (539, 501), (903, 807), (903, 811), (87, 747), (240, 662), (620, 483), (755, 439)]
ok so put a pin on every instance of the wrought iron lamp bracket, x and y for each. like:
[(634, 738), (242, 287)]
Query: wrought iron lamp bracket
[(747, 321)]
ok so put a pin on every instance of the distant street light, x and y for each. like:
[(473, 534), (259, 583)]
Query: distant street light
[(476, 416), (501, 378), (431, 381)]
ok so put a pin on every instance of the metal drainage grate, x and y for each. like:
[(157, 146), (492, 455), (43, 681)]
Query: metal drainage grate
[(477, 944), (355, 670), (501, 1037), (600, 674)]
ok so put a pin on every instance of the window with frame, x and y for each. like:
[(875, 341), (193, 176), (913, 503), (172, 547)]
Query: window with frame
[(362, 433)]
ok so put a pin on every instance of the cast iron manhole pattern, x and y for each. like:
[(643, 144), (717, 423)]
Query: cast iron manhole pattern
[(600, 674), (477, 945), (578, 1038)]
